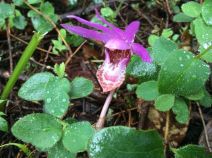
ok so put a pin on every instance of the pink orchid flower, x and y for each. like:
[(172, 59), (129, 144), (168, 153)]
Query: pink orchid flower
[(119, 46)]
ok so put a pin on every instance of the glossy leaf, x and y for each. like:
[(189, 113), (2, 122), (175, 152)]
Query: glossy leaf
[(207, 12), (77, 135), (192, 9), (182, 74), (147, 90), (164, 102), (181, 17), (80, 87), (141, 70), (191, 151), (162, 49), (41, 130), (59, 151), (181, 111), (125, 142)]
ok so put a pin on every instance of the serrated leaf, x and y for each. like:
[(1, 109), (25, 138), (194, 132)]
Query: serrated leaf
[(60, 69), (125, 142), (191, 151), (80, 87), (203, 33), (181, 111), (142, 70), (192, 9), (181, 17), (53, 90), (207, 12), (77, 135), (59, 151), (162, 49), (147, 90), (182, 74), (41, 130), (164, 102), (3, 125)]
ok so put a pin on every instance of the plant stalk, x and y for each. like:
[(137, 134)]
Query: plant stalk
[(101, 120), (29, 50)]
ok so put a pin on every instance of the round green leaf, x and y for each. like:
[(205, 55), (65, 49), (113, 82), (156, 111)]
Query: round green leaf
[(41, 130), (125, 142), (164, 102), (182, 74), (181, 17), (192, 151), (59, 151), (181, 110), (191, 9), (81, 87), (34, 88), (162, 49), (77, 135), (147, 90), (3, 125), (207, 12), (6, 10), (203, 33), (140, 69)]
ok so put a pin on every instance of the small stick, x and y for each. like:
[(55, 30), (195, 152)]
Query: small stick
[(204, 126), (9, 47), (101, 120), (166, 134)]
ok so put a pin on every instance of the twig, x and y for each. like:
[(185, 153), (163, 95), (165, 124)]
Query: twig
[(168, 7), (9, 47), (204, 126), (52, 23), (166, 133), (101, 120), (71, 55), (38, 48)]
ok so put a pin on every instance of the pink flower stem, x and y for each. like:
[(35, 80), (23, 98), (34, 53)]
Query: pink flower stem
[(101, 120)]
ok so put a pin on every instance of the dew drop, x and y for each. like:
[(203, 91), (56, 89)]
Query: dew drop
[(48, 100), (181, 65), (64, 100)]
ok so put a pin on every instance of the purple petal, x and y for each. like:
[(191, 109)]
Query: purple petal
[(113, 27), (95, 35), (142, 52), (91, 24), (117, 44), (131, 30)]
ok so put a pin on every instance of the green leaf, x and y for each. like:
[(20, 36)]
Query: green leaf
[(140, 69), (39, 22), (181, 17), (151, 39), (203, 33), (59, 151), (19, 22), (41, 130), (53, 90), (6, 10), (164, 102), (207, 56), (81, 87), (125, 142), (167, 33), (192, 9), (59, 69), (35, 87), (207, 12), (206, 101), (181, 111), (162, 49), (191, 151), (56, 98), (182, 74), (75, 40), (148, 90), (197, 96), (3, 125), (77, 135), (34, 1), (108, 12)]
